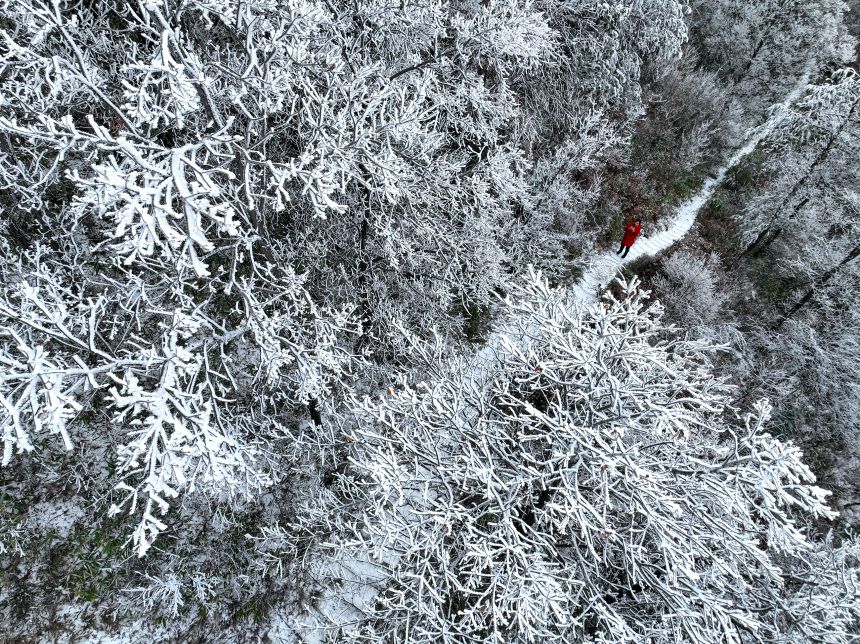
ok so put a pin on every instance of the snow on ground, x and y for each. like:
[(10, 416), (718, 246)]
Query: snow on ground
[(60, 516)]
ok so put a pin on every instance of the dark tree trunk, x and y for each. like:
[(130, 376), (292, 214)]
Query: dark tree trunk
[(822, 280)]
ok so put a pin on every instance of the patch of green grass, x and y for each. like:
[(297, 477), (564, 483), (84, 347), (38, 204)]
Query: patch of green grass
[(255, 609), (645, 267), (683, 188), (773, 288), (717, 204), (96, 572), (748, 173)]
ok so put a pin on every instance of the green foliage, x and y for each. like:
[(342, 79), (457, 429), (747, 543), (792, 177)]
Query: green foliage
[(683, 187), (94, 562)]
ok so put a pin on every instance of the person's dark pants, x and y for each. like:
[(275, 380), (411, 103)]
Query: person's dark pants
[(624, 248)]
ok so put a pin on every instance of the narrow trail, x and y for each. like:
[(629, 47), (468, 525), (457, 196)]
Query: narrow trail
[(602, 268)]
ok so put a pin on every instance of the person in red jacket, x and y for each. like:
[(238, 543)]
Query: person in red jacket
[(631, 231)]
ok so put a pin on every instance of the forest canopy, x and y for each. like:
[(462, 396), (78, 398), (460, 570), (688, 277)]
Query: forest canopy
[(291, 346)]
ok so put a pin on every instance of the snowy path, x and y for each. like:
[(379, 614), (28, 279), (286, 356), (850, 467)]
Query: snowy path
[(603, 268)]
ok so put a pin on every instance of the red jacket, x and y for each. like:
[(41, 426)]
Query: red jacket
[(631, 232)]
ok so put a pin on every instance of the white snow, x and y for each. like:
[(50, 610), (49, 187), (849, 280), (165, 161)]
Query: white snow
[(60, 516)]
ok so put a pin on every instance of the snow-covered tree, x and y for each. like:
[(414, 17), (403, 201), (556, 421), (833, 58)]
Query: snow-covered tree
[(812, 190), (145, 282), (222, 222), (800, 236), (688, 288), (208, 201), (587, 481), (602, 51), (764, 47)]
